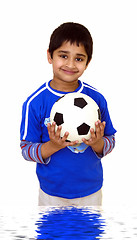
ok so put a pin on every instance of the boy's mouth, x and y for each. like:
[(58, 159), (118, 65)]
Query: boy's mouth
[(69, 72)]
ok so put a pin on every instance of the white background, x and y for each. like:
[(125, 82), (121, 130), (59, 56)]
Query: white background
[(25, 29)]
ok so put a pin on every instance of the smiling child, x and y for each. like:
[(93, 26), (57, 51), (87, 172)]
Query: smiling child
[(66, 177)]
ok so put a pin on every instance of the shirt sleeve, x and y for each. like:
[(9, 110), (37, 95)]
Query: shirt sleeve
[(109, 144), (32, 152), (30, 129)]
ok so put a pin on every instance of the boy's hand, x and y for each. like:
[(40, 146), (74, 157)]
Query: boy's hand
[(96, 141), (55, 138)]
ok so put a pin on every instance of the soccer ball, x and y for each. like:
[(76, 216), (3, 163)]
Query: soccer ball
[(77, 114)]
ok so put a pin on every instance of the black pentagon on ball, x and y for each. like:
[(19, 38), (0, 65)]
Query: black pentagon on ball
[(80, 102), (83, 129), (58, 118)]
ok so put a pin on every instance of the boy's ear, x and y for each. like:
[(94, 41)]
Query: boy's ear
[(49, 57)]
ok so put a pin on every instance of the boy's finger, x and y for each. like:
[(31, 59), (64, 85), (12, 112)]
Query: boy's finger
[(85, 141), (73, 143), (102, 127), (58, 131), (93, 135), (48, 125), (98, 129), (52, 128), (49, 128), (104, 124), (64, 138)]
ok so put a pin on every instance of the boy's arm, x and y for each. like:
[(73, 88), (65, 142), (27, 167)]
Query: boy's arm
[(109, 144), (101, 144), (41, 152), (32, 152), (38, 152)]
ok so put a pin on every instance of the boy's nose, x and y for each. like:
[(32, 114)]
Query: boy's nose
[(70, 63)]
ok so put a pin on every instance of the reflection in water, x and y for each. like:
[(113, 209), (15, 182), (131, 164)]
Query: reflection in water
[(30, 223), (70, 223)]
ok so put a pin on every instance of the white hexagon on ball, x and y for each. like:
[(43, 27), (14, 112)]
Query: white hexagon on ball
[(77, 114)]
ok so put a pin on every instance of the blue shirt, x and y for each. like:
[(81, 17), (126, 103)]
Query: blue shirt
[(68, 174)]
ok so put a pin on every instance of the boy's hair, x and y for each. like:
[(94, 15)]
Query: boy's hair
[(73, 33)]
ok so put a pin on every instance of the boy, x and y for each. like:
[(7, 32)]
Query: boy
[(67, 178)]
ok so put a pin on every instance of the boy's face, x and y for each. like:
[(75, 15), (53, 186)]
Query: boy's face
[(69, 62)]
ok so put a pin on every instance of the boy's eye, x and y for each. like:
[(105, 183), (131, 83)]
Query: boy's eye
[(63, 56), (79, 59)]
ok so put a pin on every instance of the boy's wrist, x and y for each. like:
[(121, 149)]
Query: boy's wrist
[(48, 148), (54, 146), (98, 146)]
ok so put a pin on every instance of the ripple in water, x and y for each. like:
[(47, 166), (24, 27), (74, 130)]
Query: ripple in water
[(70, 223), (28, 223)]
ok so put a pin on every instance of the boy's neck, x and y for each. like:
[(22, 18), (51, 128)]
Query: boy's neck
[(64, 86)]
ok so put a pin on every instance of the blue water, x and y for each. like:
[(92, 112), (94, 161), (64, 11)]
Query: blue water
[(68, 223)]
